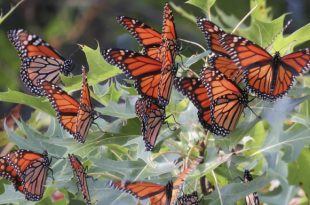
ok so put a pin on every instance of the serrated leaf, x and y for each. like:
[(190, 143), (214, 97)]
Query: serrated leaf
[(31, 101), (298, 171), (99, 70)]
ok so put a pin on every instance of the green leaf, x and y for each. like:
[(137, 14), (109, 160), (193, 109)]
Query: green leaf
[(298, 171), (99, 70), (205, 5), (264, 32), (113, 94), (298, 37), (261, 12), (122, 111), (31, 101)]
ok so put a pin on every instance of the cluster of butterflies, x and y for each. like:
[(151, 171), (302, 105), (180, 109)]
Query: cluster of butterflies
[(28, 171), (217, 93)]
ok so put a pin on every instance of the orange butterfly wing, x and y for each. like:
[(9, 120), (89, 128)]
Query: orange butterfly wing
[(197, 93), (8, 172), (168, 30), (39, 60), (29, 170), (143, 69), (80, 173), (221, 60), (66, 106), (212, 34), (85, 116), (143, 190), (178, 183), (270, 77), (227, 100), (34, 178), (168, 50), (226, 66), (148, 38), (152, 117)]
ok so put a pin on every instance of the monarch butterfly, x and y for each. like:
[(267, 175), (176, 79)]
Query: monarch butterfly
[(80, 173), (188, 199), (152, 117), (269, 77), (147, 37), (27, 170), (221, 60), (158, 194), (74, 117), (197, 93), (39, 60), (227, 100), (168, 51), (251, 199), (153, 72)]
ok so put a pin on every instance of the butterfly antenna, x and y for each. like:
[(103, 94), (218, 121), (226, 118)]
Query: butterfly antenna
[(74, 52), (282, 30)]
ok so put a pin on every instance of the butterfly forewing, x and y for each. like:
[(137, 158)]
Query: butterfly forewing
[(197, 93), (227, 100), (80, 174), (85, 115), (146, 36), (39, 60), (145, 70)]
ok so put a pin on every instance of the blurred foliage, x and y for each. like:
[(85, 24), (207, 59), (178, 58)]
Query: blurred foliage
[(275, 147)]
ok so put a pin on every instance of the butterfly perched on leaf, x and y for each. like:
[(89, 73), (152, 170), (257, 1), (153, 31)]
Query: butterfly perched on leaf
[(154, 70), (251, 199), (156, 193), (75, 117), (39, 60), (228, 100), (27, 170), (188, 199), (268, 76), (151, 116), (81, 176), (194, 89)]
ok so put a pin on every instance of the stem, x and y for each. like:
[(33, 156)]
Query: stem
[(243, 19), (217, 187)]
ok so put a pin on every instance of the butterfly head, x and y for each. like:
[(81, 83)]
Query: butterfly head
[(67, 67)]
